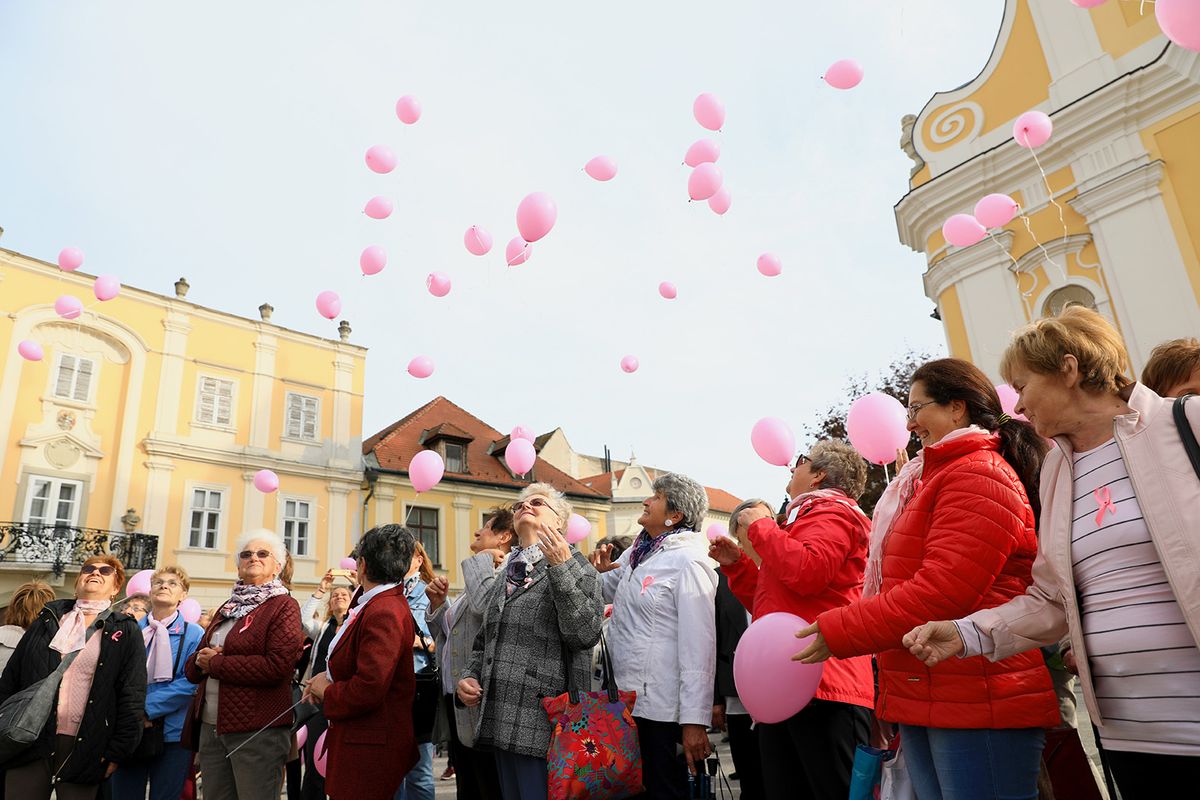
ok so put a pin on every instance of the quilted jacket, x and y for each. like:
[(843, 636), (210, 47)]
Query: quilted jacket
[(255, 670), (965, 541)]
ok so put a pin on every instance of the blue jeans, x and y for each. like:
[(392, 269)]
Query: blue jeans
[(418, 783), (166, 775), (973, 763)]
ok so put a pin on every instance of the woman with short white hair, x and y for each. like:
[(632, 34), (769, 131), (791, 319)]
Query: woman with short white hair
[(244, 667)]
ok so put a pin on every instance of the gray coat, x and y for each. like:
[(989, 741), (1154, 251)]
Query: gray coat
[(478, 575), (518, 655)]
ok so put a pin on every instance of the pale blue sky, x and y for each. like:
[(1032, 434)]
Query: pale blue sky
[(224, 142)]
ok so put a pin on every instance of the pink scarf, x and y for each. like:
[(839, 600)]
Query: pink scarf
[(802, 502), (72, 632), (895, 497), (158, 650)]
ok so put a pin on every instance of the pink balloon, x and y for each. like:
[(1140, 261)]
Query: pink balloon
[(190, 609), (378, 208), (139, 583), (578, 529), (602, 168), (438, 284), (844, 74), (421, 367), (1033, 128), (704, 181), (373, 260), (301, 733), (380, 159), (716, 531), (770, 685), (426, 470), (320, 754), (266, 481), (520, 456), (30, 350), (1180, 21), (702, 151), (1008, 401), (963, 230), (774, 441), (995, 210), (877, 426), (630, 363), (70, 259), (770, 265), (68, 307), (106, 287), (348, 563), (477, 240), (521, 432), (709, 111), (536, 216), (517, 252), (667, 290), (721, 201), (1088, 3), (329, 305), (408, 109)]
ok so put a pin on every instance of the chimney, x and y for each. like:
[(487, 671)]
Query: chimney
[(344, 330), (181, 288), (265, 310)]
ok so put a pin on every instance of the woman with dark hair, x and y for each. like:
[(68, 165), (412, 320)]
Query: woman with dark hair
[(956, 534), (367, 690)]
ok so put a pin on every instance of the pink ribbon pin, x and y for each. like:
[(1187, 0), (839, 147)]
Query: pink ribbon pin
[(116, 635), (649, 579), (246, 624), (1105, 503)]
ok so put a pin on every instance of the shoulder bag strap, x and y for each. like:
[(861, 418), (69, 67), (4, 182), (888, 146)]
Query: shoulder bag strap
[(1185, 433), (430, 661), (609, 681)]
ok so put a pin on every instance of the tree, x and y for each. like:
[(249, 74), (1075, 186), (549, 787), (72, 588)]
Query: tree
[(895, 380)]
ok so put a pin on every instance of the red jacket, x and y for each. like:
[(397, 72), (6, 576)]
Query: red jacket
[(965, 541), (369, 705), (254, 667), (814, 565)]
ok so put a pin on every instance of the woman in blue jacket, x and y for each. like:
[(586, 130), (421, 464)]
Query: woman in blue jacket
[(169, 641)]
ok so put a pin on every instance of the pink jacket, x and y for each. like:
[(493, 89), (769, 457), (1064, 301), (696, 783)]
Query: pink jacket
[(1169, 495)]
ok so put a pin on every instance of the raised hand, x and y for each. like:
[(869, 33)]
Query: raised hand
[(554, 545), (436, 591), (725, 551), (601, 558)]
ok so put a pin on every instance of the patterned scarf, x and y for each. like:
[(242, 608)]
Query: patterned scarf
[(248, 596), (519, 571), (72, 632), (157, 636), (645, 546)]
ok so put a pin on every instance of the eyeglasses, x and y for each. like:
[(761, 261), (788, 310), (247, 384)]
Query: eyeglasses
[(531, 504), (915, 407), (103, 569), (800, 460), (169, 583), (263, 555)]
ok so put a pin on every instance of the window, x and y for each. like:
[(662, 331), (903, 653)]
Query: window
[(214, 406), (206, 518), (295, 526), (302, 414), (74, 378), (1070, 295), (53, 502), (456, 457), (424, 523)]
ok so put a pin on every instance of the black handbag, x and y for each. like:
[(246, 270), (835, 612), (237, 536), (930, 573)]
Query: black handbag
[(427, 696), (1185, 433), (153, 744)]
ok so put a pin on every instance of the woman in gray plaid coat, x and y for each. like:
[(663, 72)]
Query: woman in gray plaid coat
[(542, 618)]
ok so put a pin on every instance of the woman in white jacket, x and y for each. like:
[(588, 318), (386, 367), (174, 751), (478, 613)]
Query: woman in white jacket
[(663, 632), (321, 630)]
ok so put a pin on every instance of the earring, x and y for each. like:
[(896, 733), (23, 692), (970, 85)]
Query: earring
[(670, 523)]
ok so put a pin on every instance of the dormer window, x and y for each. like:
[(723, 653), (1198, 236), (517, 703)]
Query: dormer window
[(450, 442), (455, 456)]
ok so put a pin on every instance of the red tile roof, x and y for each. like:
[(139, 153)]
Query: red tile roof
[(394, 446), (719, 500)]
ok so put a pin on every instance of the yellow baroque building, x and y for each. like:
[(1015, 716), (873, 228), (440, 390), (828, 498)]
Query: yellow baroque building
[(140, 430), (1115, 222)]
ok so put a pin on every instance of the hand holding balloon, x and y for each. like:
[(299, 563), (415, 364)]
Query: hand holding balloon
[(725, 551), (817, 650)]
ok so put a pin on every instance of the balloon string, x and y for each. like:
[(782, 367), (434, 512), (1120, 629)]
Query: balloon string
[(886, 478), (1053, 202), (1026, 295)]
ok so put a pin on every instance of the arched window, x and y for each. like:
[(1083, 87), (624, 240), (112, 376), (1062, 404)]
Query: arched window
[(1068, 296)]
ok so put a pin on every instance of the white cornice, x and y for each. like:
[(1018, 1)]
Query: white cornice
[(1135, 186), (250, 461), (1055, 250), (966, 261)]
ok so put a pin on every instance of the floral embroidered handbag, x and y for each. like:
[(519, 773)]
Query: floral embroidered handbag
[(594, 750)]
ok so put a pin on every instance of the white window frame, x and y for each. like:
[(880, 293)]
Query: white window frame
[(222, 517), (441, 529), (287, 416), (56, 485), (309, 521), (233, 397), (74, 388)]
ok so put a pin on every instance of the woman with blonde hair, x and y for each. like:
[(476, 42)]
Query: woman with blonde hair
[(1118, 563), (26, 603)]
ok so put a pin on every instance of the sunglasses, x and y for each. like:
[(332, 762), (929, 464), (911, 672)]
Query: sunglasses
[(531, 504), (263, 555), (801, 460), (103, 569)]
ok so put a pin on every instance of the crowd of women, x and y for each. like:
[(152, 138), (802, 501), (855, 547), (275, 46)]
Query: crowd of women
[(1074, 528)]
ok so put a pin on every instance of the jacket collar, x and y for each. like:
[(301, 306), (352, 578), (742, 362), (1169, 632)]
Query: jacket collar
[(1146, 405), (937, 457)]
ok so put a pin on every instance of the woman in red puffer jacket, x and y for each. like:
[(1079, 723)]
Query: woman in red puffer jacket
[(955, 533)]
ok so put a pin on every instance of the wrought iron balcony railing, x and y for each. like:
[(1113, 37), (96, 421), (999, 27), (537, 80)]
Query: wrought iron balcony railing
[(61, 547)]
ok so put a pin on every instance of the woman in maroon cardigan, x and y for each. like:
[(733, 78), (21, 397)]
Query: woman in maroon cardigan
[(244, 667), (367, 690)]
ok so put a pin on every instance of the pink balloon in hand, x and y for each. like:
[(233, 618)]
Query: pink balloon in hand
[(520, 456), (517, 252), (769, 684), (704, 181), (477, 240), (602, 168), (630, 364), (378, 208), (348, 563), (721, 201), (995, 210), (536, 215), (709, 111), (578, 529), (301, 732), (1180, 21), (70, 259), (438, 284), (408, 109), (1032, 129), (68, 307), (381, 159), (667, 290), (266, 481), (877, 426), (716, 531), (329, 305), (30, 350), (321, 754), (774, 441), (426, 470), (770, 265), (963, 230), (702, 151), (844, 74), (421, 367)]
